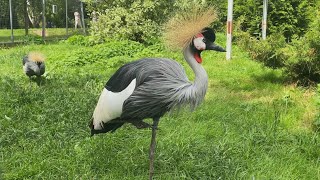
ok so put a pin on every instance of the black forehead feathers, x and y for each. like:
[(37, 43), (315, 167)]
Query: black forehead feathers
[(209, 34)]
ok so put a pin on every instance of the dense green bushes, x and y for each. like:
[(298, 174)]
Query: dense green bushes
[(267, 51), (142, 20), (292, 43), (134, 20), (288, 17), (300, 58)]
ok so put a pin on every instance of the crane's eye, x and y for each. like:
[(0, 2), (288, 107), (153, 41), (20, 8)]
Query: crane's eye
[(204, 40)]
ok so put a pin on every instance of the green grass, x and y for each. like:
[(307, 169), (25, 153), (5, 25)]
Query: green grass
[(51, 33), (250, 126)]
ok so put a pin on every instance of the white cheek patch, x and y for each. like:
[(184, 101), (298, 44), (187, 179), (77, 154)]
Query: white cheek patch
[(198, 43)]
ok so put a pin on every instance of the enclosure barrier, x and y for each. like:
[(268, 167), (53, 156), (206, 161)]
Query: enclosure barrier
[(33, 20)]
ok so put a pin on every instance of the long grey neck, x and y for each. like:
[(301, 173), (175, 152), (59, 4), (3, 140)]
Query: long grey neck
[(200, 84)]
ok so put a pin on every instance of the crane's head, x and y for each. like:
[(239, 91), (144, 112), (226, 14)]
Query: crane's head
[(190, 28), (204, 41)]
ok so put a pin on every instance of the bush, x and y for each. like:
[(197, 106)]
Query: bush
[(289, 17), (267, 52), (303, 65), (138, 21), (300, 58), (82, 40), (33, 39)]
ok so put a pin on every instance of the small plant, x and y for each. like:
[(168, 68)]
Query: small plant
[(81, 40), (266, 51), (32, 39)]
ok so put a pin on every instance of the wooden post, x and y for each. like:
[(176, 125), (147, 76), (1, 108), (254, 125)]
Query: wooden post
[(264, 19), (229, 29)]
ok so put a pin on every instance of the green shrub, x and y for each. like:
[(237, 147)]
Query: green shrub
[(82, 40), (289, 17), (303, 65), (267, 51), (32, 39), (138, 21), (300, 58)]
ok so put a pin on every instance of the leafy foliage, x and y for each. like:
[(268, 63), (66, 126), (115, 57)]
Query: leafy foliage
[(266, 51), (32, 39), (136, 20), (300, 59), (289, 17), (303, 63)]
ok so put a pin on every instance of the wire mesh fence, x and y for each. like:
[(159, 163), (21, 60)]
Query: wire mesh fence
[(21, 20)]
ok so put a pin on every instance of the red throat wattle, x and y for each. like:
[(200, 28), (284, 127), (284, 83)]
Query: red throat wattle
[(198, 57)]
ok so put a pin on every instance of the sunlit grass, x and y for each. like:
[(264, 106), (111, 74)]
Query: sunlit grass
[(250, 126)]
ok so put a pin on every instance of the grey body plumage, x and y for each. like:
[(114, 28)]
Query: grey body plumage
[(33, 68), (161, 84), (33, 65)]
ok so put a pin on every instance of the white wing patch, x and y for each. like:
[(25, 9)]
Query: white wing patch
[(110, 105)]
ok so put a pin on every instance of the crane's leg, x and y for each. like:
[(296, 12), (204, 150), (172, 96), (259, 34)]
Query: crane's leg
[(153, 146), (30, 83), (39, 80)]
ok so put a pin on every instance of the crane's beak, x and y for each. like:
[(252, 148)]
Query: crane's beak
[(215, 47)]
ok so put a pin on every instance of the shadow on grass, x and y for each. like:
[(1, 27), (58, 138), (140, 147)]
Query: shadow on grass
[(270, 76)]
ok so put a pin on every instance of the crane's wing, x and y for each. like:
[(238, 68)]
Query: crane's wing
[(158, 86)]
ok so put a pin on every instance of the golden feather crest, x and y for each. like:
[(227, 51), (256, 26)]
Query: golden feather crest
[(36, 57), (182, 28)]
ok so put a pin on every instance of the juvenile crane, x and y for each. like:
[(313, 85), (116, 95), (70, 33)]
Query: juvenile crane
[(33, 65), (150, 87)]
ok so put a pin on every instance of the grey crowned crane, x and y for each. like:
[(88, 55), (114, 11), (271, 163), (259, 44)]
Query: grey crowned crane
[(33, 65), (150, 87)]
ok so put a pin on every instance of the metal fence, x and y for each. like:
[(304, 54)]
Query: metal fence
[(21, 20)]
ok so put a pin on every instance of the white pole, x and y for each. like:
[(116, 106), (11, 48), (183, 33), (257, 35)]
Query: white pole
[(67, 17), (82, 17), (11, 24), (229, 29), (43, 20), (264, 19)]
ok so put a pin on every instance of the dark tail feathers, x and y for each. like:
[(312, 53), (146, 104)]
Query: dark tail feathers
[(112, 126)]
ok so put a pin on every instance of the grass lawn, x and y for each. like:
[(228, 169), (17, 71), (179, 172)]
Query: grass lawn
[(251, 125), (51, 33)]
